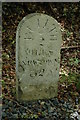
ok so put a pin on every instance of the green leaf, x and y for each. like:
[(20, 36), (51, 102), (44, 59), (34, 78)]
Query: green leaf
[(78, 85)]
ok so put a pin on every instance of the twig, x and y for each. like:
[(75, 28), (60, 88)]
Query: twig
[(70, 47), (15, 102)]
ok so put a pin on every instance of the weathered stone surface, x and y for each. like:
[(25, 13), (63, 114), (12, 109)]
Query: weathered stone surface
[(38, 42)]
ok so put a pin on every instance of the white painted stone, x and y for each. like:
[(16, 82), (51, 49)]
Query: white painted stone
[(38, 42)]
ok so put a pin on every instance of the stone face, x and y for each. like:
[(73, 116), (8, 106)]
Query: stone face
[(38, 42)]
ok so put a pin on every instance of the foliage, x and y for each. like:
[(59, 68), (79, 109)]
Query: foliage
[(3, 82), (74, 61), (72, 78)]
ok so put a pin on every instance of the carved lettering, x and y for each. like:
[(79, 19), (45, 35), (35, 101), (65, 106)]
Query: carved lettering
[(37, 52)]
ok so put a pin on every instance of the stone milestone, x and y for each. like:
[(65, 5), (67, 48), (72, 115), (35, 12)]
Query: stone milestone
[(38, 42)]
